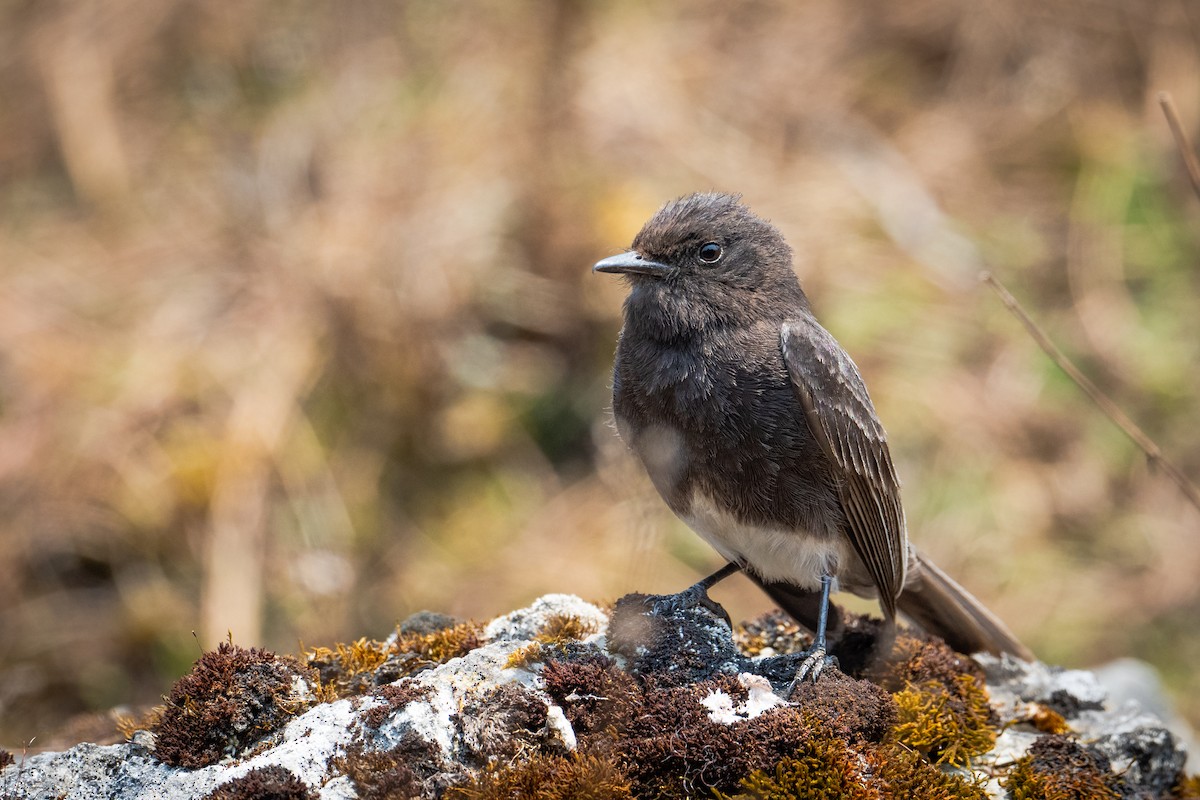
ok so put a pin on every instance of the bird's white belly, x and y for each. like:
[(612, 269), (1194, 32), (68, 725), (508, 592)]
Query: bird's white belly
[(776, 555)]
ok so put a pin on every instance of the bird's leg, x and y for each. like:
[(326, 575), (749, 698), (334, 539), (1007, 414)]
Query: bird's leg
[(816, 659), (705, 584), (697, 594)]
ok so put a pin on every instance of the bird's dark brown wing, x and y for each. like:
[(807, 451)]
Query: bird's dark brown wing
[(843, 420)]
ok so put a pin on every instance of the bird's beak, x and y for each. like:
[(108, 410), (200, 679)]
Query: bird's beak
[(631, 262)]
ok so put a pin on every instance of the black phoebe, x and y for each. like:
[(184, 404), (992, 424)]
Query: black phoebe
[(758, 432)]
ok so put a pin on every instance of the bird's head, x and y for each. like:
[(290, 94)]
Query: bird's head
[(708, 252)]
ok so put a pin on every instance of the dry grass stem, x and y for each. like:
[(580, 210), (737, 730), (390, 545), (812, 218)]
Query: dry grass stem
[(1181, 140), (1103, 402)]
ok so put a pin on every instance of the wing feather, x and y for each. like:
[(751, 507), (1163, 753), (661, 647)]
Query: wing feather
[(843, 421)]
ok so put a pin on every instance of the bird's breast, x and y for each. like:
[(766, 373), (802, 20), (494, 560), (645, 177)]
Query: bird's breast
[(721, 433), (773, 553)]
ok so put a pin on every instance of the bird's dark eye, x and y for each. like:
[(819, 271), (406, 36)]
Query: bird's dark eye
[(710, 253)]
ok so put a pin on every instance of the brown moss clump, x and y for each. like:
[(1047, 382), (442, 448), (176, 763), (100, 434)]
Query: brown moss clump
[(948, 725), (232, 698), (6, 758), (502, 724), (919, 659), (1057, 768), (595, 695), (389, 774), (660, 735), (666, 743), (672, 749), (542, 777), (841, 707), (395, 697), (838, 708), (265, 783)]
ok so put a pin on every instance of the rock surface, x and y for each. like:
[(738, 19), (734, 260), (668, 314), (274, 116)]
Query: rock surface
[(642, 700)]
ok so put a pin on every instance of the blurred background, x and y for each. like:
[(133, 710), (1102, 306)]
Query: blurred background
[(298, 335)]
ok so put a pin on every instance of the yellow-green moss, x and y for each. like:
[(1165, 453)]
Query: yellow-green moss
[(1047, 720), (825, 769), (562, 628), (364, 655), (347, 669), (439, 647), (524, 656), (129, 724), (1188, 788), (949, 724), (905, 774)]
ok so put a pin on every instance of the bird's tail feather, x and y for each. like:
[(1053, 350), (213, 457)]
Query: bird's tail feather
[(934, 601)]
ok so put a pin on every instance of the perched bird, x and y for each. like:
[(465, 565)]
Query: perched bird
[(757, 430)]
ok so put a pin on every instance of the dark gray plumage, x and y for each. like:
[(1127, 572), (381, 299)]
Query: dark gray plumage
[(756, 427)]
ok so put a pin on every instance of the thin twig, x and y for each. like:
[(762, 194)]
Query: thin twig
[(1153, 453), (1181, 140)]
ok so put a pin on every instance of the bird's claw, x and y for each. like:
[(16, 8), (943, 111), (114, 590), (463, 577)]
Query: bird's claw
[(691, 597), (814, 663), (680, 601)]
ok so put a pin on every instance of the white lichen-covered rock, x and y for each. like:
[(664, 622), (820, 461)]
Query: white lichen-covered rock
[(305, 748), (760, 697), (1137, 744), (310, 746), (526, 623)]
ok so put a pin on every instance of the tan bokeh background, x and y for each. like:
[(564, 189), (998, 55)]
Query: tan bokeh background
[(297, 332)]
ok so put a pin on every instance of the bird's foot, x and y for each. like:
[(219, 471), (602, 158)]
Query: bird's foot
[(814, 663), (695, 596)]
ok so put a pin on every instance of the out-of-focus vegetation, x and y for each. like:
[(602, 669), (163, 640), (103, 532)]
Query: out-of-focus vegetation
[(297, 332)]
